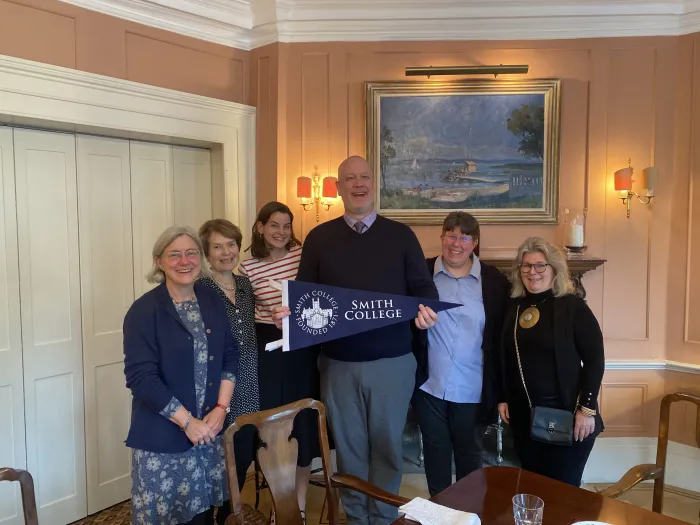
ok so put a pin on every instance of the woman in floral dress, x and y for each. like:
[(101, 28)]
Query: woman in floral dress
[(180, 363)]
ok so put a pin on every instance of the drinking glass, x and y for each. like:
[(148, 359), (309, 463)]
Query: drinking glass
[(527, 509)]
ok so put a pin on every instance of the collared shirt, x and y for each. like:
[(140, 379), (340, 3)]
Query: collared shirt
[(369, 220), (455, 357)]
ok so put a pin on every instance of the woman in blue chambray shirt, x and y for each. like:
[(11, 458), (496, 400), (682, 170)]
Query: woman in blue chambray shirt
[(180, 363), (455, 395)]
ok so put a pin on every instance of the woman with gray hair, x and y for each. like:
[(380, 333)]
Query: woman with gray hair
[(552, 362), (180, 362)]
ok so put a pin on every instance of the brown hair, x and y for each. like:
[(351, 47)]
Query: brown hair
[(222, 227), (467, 223), (257, 247)]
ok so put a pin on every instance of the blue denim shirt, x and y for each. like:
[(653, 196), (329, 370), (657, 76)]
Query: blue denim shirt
[(455, 357)]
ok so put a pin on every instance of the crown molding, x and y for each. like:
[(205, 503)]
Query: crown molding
[(248, 24), (263, 35), (209, 20)]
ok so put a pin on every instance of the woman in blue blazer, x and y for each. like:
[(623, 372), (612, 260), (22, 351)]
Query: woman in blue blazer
[(180, 363)]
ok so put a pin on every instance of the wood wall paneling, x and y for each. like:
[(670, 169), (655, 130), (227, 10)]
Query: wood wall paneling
[(62, 34), (630, 134), (37, 34)]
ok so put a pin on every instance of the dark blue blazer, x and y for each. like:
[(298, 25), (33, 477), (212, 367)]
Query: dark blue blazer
[(159, 364)]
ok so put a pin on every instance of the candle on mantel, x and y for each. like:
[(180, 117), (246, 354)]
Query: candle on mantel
[(575, 224), (574, 237)]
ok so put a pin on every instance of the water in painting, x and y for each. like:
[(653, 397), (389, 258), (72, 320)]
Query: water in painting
[(472, 151)]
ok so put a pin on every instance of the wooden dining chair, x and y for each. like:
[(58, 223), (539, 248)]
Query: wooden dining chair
[(656, 471), (26, 484), (277, 456)]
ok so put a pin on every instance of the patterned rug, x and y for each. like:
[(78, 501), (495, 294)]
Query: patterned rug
[(117, 515)]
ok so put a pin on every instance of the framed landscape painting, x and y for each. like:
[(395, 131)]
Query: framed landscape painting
[(488, 147)]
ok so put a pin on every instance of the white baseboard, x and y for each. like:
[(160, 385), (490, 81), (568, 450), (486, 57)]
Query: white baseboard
[(612, 457)]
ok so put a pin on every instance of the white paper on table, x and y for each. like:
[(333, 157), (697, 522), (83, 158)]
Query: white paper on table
[(428, 513)]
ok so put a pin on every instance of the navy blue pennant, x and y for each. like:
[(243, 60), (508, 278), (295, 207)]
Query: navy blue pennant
[(322, 313)]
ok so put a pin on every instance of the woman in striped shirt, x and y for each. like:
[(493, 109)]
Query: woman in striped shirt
[(283, 377)]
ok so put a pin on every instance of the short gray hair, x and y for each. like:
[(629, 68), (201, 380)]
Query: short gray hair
[(165, 239), (561, 284)]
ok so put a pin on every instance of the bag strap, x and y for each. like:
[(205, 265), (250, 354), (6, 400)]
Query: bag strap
[(520, 366), (517, 353)]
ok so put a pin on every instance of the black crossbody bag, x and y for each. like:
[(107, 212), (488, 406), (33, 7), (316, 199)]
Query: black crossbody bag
[(547, 425)]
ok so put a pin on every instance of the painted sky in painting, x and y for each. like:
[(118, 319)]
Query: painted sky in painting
[(432, 127)]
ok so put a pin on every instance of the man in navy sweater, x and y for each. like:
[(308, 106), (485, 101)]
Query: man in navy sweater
[(367, 379)]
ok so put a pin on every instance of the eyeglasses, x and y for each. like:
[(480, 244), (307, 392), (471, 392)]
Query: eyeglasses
[(189, 254), (539, 267), (464, 239)]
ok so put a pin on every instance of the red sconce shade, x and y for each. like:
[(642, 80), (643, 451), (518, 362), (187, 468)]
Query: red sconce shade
[(330, 191), (623, 179), (304, 187)]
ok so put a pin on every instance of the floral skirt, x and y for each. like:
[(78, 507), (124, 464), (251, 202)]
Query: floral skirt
[(169, 489)]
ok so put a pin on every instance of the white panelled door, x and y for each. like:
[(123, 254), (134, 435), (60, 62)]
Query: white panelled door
[(12, 447), (192, 181), (78, 220), (151, 204), (107, 277), (47, 224)]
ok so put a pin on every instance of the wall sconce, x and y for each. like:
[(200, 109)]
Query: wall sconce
[(311, 191), (623, 184), (500, 69)]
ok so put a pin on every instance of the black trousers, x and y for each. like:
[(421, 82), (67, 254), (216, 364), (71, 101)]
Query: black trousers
[(448, 428), (565, 464)]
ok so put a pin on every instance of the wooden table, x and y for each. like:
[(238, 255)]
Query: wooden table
[(488, 492)]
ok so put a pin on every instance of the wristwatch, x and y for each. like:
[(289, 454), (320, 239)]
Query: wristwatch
[(224, 407)]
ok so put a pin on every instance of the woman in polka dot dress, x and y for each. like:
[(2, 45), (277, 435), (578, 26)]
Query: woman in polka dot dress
[(222, 244)]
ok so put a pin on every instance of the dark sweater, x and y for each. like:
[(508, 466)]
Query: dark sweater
[(563, 356), (386, 258), (537, 355)]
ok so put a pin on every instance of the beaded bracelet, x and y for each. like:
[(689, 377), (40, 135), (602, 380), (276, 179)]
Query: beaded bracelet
[(187, 423)]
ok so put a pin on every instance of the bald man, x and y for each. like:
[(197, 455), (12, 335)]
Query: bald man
[(367, 379)]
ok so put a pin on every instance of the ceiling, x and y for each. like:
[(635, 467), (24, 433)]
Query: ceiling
[(247, 24)]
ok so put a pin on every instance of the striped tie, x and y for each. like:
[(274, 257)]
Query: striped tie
[(360, 226)]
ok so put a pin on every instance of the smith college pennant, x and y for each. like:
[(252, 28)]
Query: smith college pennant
[(323, 313)]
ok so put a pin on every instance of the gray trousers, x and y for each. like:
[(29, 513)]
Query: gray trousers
[(367, 405)]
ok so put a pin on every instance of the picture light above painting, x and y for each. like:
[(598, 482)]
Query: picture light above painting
[(489, 147)]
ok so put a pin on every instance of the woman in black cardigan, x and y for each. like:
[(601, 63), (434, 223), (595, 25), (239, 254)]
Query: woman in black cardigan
[(561, 363)]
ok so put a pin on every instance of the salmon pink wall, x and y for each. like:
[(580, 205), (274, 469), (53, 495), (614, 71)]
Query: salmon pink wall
[(57, 33), (621, 98)]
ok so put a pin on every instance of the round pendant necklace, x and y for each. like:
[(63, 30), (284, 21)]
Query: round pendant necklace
[(530, 316)]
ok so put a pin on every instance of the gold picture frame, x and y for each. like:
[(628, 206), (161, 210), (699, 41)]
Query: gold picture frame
[(488, 147)]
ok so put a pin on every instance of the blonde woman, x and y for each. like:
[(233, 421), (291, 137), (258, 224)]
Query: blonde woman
[(552, 364), (180, 362)]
